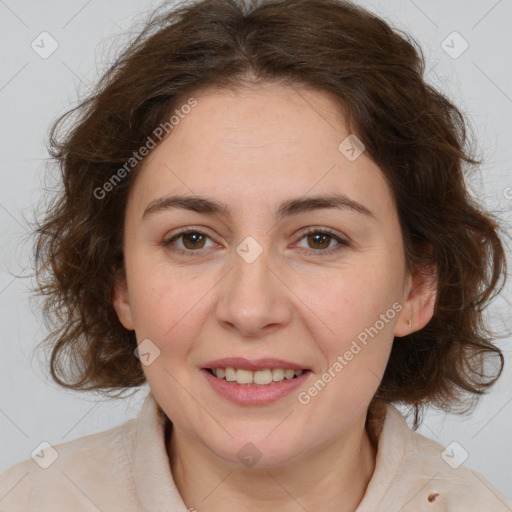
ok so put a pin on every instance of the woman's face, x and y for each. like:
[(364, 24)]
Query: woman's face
[(263, 279)]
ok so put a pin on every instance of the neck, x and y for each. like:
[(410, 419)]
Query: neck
[(333, 478)]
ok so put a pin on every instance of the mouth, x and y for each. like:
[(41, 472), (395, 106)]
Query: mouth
[(254, 381), (263, 377)]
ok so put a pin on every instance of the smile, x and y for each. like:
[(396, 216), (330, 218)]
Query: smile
[(248, 391), (263, 377)]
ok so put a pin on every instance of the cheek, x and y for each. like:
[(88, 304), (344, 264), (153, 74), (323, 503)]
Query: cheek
[(358, 308), (352, 300), (355, 338), (167, 305)]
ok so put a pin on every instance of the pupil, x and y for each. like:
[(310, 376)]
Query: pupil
[(318, 239), (192, 235)]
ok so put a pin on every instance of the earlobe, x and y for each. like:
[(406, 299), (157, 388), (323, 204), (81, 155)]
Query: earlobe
[(418, 309), (121, 302)]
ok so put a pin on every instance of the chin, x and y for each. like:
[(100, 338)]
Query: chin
[(256, 452)]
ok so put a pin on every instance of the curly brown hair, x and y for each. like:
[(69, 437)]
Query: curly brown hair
[(414, 134)]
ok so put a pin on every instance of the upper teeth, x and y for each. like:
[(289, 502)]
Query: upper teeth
[(260, 377)]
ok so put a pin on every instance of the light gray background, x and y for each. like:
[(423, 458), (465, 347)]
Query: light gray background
[(33, 91)]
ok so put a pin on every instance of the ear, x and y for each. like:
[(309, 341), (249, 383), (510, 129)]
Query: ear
[(418, 307), (121, 302)]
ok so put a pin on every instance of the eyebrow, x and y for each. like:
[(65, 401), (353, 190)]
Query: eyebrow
[(287, 208)]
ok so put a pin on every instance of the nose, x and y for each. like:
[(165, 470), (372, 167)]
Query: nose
[(253, 298)]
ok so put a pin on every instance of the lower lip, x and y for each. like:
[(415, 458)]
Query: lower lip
[(252, 394)]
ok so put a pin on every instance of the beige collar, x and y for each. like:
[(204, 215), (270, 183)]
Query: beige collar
[(157, 490)]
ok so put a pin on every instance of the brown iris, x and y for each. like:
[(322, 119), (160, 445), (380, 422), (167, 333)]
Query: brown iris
[(316, 236), (195, 237)]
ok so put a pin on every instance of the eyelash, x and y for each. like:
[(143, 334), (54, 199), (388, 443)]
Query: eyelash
[(314, 230)]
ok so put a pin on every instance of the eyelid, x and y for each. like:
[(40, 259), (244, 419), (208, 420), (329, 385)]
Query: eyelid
[(342, 240), (185, 231)]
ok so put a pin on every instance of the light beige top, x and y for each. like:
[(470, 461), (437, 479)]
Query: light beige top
[(126, 469)]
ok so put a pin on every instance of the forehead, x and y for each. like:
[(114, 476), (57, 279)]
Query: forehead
[(259, 144)]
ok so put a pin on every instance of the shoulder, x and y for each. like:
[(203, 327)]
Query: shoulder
[(432, 477), (85, 474)]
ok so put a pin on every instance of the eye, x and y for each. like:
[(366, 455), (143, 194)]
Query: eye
[(192, 240), (319, 241)]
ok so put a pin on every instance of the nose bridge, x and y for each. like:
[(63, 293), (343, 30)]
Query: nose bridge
[(252, 298)]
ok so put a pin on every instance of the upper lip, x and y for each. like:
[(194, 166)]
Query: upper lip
[(253, 364)]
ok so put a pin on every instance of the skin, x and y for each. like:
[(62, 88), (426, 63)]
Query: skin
[(252, 148)]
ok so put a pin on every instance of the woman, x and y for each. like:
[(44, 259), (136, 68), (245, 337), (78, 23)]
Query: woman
[(264, 217)]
